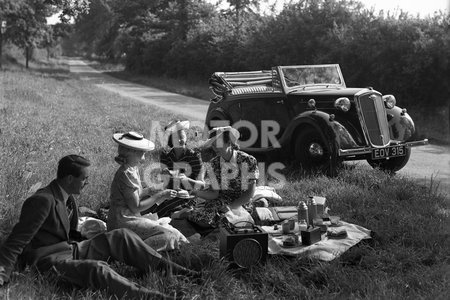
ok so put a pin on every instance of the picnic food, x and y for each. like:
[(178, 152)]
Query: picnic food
[(290, 241), (183, 194), (336, 233)]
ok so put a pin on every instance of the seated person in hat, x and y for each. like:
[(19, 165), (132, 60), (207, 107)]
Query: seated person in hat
[(45, 238), (183, 167), (232, 174), (128, 198)]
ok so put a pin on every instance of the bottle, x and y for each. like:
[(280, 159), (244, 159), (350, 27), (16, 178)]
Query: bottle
[(302, 225), (312, 209), (302, 213)]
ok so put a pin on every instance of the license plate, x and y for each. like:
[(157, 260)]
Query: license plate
[(393, 151)]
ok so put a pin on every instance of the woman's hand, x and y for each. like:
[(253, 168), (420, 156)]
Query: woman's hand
[(164, 195), (156, 198), (245, 196), (183, 179)]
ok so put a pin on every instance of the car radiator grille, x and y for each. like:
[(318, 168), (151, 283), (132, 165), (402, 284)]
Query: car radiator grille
[(373, 115)]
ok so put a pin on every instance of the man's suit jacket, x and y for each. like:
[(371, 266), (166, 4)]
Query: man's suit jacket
[(44, 227)]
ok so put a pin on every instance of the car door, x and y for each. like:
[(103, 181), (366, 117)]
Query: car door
[(263, 121)]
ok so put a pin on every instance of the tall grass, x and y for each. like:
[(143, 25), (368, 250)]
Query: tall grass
[(45, 115)]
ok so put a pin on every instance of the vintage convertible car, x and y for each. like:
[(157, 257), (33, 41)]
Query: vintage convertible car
[(309, 115)]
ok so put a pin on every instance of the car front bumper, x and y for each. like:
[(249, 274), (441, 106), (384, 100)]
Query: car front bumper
[(369, 149)]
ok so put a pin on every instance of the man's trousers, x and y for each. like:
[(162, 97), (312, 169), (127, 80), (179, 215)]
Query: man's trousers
[(87, 265)]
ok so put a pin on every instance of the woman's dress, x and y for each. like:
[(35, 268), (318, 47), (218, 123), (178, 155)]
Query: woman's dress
[(155, 232), (231, 179)]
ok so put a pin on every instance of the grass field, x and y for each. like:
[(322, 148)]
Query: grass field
[(45, 114)]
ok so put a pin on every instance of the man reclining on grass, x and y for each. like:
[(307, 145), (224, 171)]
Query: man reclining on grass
[(44, 238)]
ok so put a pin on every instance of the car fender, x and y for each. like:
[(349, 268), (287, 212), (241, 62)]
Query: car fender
[(401, 125), (218, 114), (316, 119), (330, 130)]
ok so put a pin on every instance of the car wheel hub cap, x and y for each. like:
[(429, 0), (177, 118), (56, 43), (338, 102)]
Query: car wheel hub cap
[(315, 150)]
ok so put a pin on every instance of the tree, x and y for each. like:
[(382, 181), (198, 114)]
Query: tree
[(92, 28), (150, 31), (29, 24), (241, 8), (69, 9), (6, 8), (27, 21)]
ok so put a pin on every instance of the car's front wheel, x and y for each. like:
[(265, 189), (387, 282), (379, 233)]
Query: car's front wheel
[(392, 164), (313, 153)]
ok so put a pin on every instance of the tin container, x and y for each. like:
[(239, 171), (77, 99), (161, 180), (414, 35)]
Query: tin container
[(311, 236)]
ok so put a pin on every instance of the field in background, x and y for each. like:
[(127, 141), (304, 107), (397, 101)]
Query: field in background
[(45, 114)]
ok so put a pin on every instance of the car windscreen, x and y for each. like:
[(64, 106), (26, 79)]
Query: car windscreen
[(295, 76)]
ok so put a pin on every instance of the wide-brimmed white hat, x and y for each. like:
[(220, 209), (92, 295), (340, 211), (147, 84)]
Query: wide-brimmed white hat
[(133, 140), (177, 125), (215, 133)]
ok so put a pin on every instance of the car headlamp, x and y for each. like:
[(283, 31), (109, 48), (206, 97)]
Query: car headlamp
[(389, 101), (343, 104)]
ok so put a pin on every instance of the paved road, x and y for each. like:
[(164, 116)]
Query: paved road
[(428, 164), (191, 108)]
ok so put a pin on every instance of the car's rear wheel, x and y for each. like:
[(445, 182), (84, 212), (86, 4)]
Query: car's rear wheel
[(313, 153), (392, 164)]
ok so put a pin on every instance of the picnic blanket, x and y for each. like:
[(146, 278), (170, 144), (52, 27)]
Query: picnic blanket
[(327, 249)]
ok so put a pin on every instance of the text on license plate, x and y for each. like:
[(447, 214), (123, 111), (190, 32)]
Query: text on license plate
[(393, 151)]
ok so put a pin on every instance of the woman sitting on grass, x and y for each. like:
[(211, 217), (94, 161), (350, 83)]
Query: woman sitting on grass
[(183, 166), (129, 199), (233, 175)]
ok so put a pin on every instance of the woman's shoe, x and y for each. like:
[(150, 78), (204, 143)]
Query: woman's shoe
[(195, 238)]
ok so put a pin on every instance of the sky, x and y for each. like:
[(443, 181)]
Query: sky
[(414, 7), (422, 7), (53, 20)]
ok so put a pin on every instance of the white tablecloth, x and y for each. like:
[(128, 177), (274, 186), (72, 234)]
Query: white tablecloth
[(327, 249)]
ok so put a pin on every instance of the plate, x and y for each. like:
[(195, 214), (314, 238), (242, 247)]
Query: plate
[(293, 246), (186, 197)]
